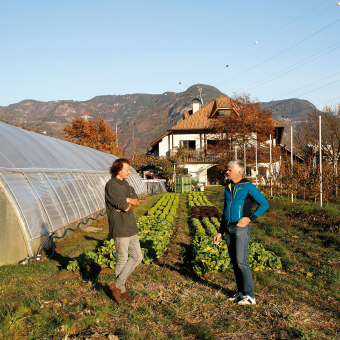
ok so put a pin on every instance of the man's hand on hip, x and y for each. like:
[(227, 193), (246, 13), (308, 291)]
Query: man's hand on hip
[(217, 238), (243, 222)]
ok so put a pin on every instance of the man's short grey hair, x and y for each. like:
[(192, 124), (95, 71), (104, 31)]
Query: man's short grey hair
[(237, 164)]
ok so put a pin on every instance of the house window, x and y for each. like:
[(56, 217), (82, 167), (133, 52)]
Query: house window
[(212, 143), (183, 171), (226, 112), (262, 172), (188, 144)]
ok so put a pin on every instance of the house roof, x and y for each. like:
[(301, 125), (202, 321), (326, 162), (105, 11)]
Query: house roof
[(202, 119), (160, 138), (284, 148), (198, 120), (277, 124)]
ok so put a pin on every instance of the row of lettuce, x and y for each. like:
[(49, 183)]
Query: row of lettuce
[(155, 232), (156, 229), (212, 258)]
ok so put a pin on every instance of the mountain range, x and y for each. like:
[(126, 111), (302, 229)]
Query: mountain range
[(139, 118)]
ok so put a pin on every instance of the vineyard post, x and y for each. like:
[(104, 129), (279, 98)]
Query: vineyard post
[(281, 176), (336, 177), (291, 159), (173, 178), (270, 164), (245, 157), (320, 160), (256, 170)]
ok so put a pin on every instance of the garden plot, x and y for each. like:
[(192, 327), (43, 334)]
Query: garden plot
[(212, 258), (155, 232)]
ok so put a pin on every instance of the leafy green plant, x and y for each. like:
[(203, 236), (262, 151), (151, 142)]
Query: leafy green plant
[(155, 232), (212, 258)]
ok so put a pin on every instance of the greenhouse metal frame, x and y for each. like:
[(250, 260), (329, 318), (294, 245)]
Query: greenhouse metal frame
[(48, 186)]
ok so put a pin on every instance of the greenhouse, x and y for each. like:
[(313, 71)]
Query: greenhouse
[(48, 187)]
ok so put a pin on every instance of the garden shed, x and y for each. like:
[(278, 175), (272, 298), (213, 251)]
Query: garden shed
[(48, 187)]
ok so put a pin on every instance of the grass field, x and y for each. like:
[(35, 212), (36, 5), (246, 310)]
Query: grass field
[(42, 300)]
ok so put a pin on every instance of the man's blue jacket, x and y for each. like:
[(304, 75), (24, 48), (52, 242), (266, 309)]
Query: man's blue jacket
[(240, 204)]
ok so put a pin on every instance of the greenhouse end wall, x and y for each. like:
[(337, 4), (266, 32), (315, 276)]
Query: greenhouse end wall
[(12, 243), (47, 186)]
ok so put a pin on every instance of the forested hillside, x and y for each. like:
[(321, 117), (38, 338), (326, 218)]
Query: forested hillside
[(140, 118)]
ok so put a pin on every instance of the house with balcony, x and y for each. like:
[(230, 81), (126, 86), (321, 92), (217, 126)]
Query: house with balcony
[(196, 132)]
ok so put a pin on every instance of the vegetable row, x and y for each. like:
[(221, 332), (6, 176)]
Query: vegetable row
[(211, 258), (155, 232)]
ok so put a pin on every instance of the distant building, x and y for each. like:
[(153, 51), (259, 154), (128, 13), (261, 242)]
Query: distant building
[(197, 134)]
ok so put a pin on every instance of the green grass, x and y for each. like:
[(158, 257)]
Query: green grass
[(41, 300)]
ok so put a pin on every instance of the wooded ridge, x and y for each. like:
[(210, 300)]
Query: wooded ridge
[(140, 118)]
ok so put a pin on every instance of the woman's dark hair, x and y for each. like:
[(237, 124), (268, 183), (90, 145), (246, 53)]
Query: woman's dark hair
[(118, 165)]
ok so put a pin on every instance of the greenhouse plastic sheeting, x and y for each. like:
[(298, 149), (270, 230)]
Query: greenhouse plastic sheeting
[(53, 182), (155, 186)]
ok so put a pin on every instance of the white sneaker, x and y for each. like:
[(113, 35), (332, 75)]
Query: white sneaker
[(247, 300), (236, 297)]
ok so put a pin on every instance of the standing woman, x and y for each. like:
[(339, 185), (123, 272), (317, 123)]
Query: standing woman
[(120, 197)]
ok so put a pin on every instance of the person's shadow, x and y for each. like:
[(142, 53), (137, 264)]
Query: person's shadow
[(185, 269), (89, 271)]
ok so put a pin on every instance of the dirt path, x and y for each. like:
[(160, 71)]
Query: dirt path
[(179, 254)]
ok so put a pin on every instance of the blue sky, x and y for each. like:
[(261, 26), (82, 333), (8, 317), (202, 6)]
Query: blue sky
[(54, 50)]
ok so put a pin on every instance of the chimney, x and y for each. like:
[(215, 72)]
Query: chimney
[(196, 105)]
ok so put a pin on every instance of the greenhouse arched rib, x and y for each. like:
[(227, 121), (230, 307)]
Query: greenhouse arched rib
[(60, 201), (41, 202), (70, 192)]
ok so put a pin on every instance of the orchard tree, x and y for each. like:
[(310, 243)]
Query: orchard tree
[(96, 134), (250, 125), (307, 137), (308, 134)]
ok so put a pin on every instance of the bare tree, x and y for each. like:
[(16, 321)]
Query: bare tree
[(307, 136), (251, 125)]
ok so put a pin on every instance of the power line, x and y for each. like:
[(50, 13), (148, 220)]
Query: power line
[(260, 48), (293, 65), (320, 87), (327, 101), (280, 52), (294, 112), (307, 85), (296, 19), (286, 100), (293, 69), (224, 60)]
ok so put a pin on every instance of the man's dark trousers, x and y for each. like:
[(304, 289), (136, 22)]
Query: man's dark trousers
[(238, 242)]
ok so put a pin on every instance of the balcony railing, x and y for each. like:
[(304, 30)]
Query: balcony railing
[(198, 156)]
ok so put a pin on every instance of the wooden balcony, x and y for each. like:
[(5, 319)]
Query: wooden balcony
[(198, 156)]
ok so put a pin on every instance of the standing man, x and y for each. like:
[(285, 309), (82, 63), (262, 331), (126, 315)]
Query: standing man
[(239, 197), (120, 197)]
